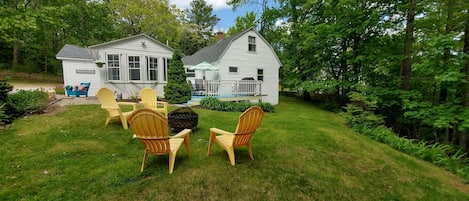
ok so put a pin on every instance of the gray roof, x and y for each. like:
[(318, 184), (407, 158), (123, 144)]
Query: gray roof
[(212, 53), (73, 51), (91, 53), (130, 38)]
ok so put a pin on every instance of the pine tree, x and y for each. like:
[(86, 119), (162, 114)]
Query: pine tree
[(177, 90)]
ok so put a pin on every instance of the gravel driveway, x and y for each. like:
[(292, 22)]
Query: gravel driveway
[(61, 100)]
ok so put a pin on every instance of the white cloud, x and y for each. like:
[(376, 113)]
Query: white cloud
[(216, 4)]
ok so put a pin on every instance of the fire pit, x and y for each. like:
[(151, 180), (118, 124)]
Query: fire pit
[(183, 118)]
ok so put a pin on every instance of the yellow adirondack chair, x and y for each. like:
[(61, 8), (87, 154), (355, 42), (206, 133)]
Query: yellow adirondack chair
[(108, 102), (248, 123), (151, 128), (149, 100)]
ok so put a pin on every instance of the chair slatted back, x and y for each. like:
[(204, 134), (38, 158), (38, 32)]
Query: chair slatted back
[(149, 97), (106, 98), (152, 129), (248, 123)]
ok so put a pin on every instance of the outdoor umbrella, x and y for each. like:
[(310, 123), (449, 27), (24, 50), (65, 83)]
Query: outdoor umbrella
[(204, 66)]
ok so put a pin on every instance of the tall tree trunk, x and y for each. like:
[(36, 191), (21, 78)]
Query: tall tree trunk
[(446, 53), (464, 137), (296, 37), (406, 68), (15, 54)]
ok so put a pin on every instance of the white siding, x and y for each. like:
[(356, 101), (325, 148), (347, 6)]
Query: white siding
[(237, 55), (142, 47), (75, 72)]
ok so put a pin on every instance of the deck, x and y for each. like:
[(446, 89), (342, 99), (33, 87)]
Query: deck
[(226, 90)]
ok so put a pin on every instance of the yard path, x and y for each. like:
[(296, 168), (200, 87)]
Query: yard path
[(29, 86), (61, 100)]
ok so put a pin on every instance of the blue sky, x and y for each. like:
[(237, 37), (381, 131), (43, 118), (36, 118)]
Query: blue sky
[(221, 9)]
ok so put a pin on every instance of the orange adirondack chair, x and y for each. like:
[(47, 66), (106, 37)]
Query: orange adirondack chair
[(108, 102), (149, 100), (151, 128), (248, 123)]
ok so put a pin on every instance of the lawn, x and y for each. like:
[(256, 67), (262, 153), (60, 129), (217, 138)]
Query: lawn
[(300, 151)]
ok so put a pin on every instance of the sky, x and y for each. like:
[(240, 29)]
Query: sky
[(221, 9)]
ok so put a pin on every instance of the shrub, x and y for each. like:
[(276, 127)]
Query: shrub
[(5, 88), (25, 102), (215, 104), (361, 110), (177, 90), (3, 116), (442, 155)]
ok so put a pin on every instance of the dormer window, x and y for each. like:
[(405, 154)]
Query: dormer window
[(252, 44)]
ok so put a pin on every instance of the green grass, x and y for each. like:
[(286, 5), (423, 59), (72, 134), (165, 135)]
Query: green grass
[(300, 151)]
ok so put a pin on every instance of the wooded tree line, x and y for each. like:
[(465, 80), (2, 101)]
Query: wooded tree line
[(408, 57), (33, 31)]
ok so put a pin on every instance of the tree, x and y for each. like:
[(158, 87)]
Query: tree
[(201, 15), (243, 23), (177, 90), (406, 71), (264, 7), (152, 17), (191, 41), (198, 27)]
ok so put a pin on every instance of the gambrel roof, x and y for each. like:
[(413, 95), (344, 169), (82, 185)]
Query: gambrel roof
[(215, 52)]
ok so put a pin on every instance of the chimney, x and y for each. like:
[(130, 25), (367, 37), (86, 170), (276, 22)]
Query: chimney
[(219, 36)]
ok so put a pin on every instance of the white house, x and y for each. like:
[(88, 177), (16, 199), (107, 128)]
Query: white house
[(129, 64), (243, 55), (125, 65)]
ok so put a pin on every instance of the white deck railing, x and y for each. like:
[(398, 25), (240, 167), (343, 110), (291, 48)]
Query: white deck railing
[(230, 88)]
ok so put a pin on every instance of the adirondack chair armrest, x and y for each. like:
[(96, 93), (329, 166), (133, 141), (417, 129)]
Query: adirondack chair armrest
[(165, 104), (183, 133), (150, 138), (220, 131), (109, 107)]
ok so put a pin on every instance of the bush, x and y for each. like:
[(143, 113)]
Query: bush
[(24, 102), (177, 90), (5, 88), (442, 155), (215, 104), (3, 116)]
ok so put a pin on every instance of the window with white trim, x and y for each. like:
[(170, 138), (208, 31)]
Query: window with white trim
[(134, 68), (113, 67), (252, 44), (152, 68), (260, 74), (166, 63)]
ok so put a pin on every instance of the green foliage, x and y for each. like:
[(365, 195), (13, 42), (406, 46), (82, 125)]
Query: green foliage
[(444, 155), (300, 153), (4, 118), (24, 102), (361, 110), (243, 23), (201, 15), (5, 88), (215, 104), (177, 90), (152, 17)]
